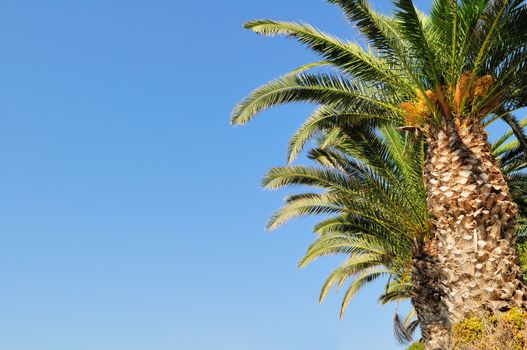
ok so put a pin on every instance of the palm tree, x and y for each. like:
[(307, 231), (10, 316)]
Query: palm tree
[(443, 77)]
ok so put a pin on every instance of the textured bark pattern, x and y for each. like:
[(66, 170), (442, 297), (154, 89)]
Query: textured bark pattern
[(472, 217), (427, 299)]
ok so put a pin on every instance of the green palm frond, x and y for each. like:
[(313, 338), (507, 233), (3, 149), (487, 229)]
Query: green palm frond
[(328, 118), (353, 243), (411, 27), (518, 129), (309, 204), (367, 276), (349, 57), (322, 88), (397, 290), (378, 29), (308, 176), (501, 145), (404, 329)]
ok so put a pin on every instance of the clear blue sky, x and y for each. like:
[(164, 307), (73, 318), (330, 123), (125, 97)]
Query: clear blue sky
[(132, 216)]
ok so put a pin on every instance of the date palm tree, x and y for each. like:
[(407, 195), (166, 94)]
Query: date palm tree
[(442, 77)]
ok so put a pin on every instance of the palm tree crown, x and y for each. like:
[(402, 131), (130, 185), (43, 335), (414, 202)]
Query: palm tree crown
[(466, 60)]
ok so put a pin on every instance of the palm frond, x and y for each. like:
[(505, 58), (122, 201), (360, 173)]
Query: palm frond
[(321, 88), (347, 56)]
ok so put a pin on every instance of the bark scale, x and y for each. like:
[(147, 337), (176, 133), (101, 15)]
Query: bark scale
[(472, 220)]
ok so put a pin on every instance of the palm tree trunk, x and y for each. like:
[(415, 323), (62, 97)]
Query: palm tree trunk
[(472, 218), (427, 298)]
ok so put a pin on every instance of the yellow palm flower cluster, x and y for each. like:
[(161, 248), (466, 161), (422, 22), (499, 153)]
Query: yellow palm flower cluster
[(480, 88), (417, 112)]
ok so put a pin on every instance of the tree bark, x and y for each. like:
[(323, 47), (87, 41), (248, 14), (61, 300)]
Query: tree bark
[(427, 298), (472, 219)]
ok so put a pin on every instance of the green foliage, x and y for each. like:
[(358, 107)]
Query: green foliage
[(515, 318), (416, 346), (468, 331), (376, 204), (522, 253), (502, 331)]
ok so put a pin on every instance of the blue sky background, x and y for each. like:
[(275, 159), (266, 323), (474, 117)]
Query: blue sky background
[(132, 216)]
